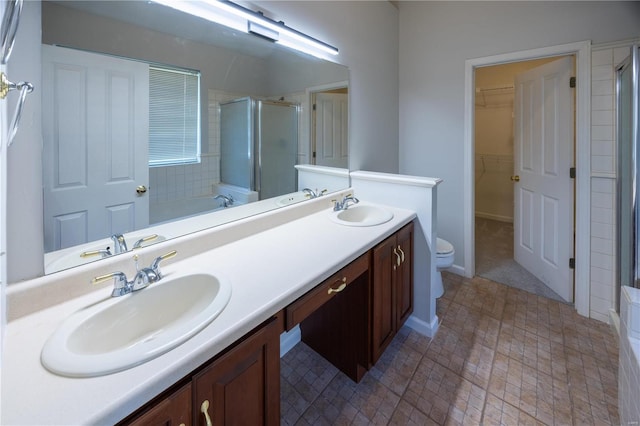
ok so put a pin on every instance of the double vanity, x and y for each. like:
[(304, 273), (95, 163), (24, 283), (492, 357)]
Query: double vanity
[(190, 346)]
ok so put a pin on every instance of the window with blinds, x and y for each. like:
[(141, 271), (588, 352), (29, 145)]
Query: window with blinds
[(174, 116)]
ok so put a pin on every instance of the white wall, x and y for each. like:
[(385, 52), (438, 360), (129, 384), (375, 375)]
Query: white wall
[(366, 33), (435, 40), (24, 169)]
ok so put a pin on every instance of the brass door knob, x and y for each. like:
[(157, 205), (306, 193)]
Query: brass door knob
[(141, 189), (515, 178)]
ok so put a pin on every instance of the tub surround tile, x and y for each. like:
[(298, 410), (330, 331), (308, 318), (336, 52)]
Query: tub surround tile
[(629, 374)]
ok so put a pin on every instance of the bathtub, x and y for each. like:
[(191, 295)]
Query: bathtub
[(180, 209)]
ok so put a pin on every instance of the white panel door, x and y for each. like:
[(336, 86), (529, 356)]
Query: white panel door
[(95, 127), (331, 132), (544, 144)]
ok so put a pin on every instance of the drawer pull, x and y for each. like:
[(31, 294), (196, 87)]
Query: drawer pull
[(397, 257), (204, 409), (340, 288), (401, 253)]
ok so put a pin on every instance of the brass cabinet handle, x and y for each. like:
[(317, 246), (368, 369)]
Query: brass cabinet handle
[(141, 189), (204, 409), (401, 253), (340, 288), (397, 257), (515, 178)]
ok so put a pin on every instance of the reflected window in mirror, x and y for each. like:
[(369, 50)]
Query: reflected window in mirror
[(174, 116)]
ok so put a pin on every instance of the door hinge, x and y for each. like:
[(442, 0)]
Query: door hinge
[(572, 172), (572, 82), (572, 263), (313, 154), (314, 107)]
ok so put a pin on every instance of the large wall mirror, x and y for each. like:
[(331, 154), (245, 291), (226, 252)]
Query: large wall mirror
[(157, 123)]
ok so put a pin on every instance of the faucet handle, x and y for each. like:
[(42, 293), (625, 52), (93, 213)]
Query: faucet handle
[(155, 265), (138, 244), (120, 283), (103, 253)]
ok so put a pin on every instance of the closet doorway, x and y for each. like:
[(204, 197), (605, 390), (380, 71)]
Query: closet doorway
[(500, 197)]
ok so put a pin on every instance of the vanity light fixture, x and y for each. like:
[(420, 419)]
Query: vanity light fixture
[(246, 20)]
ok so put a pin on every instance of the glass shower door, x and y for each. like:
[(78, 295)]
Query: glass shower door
[(236, 143), (278, 148), (628, 214)]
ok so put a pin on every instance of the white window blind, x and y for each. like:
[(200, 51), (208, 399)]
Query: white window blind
[(174, 116)]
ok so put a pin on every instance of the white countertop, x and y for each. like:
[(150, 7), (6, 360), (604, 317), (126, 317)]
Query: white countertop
[(267, 270)]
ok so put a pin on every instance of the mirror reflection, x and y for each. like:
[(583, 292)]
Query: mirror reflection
[(157, 124)]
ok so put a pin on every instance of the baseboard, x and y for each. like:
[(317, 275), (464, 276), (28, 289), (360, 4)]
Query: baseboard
[(614, 320), (497, 217), (289, 339), (456, 269), (423, 327)]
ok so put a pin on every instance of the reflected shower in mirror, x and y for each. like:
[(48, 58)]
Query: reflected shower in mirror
[(136, 142)]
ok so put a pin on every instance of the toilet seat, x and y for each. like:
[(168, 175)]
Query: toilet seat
[(443, 247)]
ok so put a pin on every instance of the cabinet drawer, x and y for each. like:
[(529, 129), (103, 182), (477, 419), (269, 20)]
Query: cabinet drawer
[(303, 307)]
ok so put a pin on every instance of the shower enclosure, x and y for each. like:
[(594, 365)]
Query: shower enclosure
[(628, 176), (259, 145)]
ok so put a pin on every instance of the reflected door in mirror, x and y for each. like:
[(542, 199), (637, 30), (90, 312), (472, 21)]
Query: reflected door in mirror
[(331, 130), (95, 131)]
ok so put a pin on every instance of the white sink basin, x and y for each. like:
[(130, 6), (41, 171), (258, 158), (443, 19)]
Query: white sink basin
[(362, 215), (126, 331)]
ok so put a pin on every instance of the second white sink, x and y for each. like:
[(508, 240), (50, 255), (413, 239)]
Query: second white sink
[(362, 215), (127, 331)]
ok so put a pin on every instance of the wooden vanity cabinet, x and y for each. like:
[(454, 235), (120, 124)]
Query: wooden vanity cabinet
[(391, 288), (241, 387), (171, 410), (335, 318), (350, 319)]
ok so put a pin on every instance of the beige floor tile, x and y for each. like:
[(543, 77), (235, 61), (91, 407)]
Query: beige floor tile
[(501, 357)]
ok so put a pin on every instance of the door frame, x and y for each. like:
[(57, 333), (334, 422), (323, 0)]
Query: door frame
[(582, 52), (311, 128)]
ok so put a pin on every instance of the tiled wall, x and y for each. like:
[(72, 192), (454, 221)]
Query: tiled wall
[(629, 361), (604, 59)]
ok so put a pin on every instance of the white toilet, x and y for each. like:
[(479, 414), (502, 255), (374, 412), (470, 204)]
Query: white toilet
[(444, 260)]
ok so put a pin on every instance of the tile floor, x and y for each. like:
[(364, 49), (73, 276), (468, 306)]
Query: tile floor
[(494, 259), (501, 356)]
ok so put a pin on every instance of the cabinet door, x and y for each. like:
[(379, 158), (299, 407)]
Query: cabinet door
[(404, 275), (383, 302), (242, 387), (172, 411)]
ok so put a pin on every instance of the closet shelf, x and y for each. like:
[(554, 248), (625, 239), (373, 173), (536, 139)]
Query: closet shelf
[(495, 96)]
